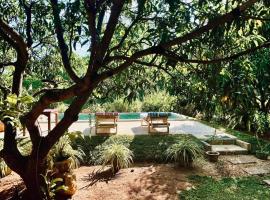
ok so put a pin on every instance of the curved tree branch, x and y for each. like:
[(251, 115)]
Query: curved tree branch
[(127, 31), (91, 18), (14, 39), (255, 18), (218, 21), (2, 65), (17, 42), (70, 116), (161, 48), (61, 42), (28, 13), (110, 28), (150, 64), (174, 56)]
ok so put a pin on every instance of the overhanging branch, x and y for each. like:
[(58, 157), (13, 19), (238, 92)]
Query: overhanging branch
[(110, 28), (161, 48), (149, 64), (61, 42), (255, 18), (14, 39), (174, 56), (28, 13), (218, 21), (2, 65)]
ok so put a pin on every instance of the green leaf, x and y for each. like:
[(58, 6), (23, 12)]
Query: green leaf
[(27, 99), (12, 99), (57, 180), (62, 187)]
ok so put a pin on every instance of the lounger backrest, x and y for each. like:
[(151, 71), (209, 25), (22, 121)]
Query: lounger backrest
[(107, 116), (158, 114)]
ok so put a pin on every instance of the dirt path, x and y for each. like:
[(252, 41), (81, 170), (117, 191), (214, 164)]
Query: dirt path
[(155, 182), (143, 181), (9, 184)]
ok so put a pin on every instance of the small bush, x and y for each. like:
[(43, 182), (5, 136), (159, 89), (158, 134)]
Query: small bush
[(96, 108), (185, 152), (63, 150), (260, 123), (86, 145), (120, 105), (61, 107), (116, 155), (160, 101)]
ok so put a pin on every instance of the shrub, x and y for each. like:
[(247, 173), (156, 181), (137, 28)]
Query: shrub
[(121, 105), (260, 122), (160, 101), (61, 107), (63, 150), (184, 152), (85, 145), (116, 155), (96, 108)]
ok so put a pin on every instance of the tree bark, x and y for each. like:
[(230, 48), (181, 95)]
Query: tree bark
[(33, 179)]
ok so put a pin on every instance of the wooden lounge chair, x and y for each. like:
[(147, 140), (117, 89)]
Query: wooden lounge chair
[(106, 121), (156, 120)]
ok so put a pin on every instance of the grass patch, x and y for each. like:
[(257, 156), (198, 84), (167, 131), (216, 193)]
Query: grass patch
[(248, 188), (145, 148)]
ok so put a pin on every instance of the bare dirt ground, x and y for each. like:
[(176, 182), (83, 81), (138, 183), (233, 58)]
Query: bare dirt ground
[(140, 182), (154, 182), (9, 185)]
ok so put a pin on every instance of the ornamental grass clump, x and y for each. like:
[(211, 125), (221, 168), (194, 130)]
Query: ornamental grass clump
[(184, 152), (63, 150), (117, 156)]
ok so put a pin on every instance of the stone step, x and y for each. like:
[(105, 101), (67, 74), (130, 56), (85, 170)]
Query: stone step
[(229, 149)]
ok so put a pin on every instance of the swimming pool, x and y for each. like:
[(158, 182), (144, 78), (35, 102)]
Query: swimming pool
[(123, 116)]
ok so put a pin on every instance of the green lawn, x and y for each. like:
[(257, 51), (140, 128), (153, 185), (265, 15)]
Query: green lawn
[(247, 188), (144, 147)]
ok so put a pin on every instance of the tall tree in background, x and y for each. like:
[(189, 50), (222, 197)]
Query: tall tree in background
[(119, 34)]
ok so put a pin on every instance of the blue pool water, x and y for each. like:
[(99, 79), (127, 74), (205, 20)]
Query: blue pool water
[(122, 116)]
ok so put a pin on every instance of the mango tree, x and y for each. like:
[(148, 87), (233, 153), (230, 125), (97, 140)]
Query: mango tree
[(118, 34)]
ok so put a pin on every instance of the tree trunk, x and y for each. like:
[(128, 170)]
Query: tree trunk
[(29, 167), (33, 190), (34, 180)]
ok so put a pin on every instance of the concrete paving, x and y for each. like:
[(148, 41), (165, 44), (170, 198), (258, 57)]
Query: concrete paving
[(229, 149), (257, 170), (133, 127), (243, 159)]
